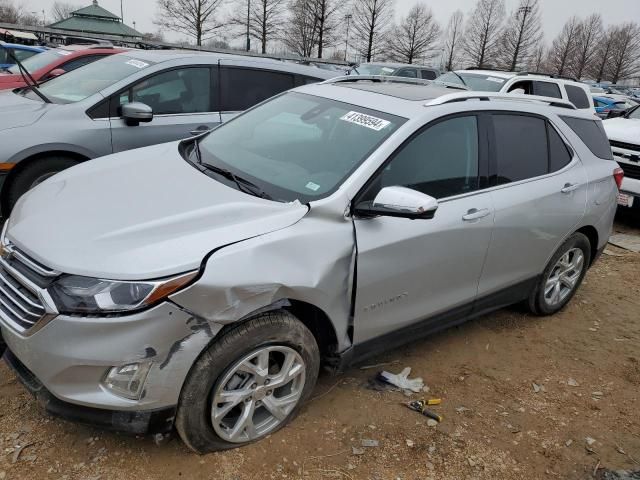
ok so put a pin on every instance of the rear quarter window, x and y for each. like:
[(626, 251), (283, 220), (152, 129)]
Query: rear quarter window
[(577, 96), (592, 134)]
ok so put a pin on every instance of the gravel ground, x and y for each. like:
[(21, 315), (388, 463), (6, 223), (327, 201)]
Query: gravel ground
[(584, 417)]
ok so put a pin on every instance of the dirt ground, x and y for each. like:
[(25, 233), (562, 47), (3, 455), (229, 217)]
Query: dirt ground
[(586, 361)]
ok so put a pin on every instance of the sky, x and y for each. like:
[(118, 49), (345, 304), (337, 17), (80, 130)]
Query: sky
[(554, 12)]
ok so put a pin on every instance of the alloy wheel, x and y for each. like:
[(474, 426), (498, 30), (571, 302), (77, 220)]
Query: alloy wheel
[(257, 393), (564, 277)]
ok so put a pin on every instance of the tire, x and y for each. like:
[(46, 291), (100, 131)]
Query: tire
[(551, 296), (216, 369), (31, 175), (3, 346)]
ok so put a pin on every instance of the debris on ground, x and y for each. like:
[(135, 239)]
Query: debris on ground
[(572, 383), (366, 442), (420, 406), (626, 241), (402, 380), (618, 475)]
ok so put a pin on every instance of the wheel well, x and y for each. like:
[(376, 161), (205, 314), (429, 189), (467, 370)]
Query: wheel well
[(592, 234), (30, 160), (318, 322)]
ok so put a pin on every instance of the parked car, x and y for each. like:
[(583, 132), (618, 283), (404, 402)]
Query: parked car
[(526, 83), (53, 63), (130, 100), (21, 52), (304, 232), (624, 136), (397, 70), (608, 107)]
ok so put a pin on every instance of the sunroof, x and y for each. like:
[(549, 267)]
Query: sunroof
[(404, 91)]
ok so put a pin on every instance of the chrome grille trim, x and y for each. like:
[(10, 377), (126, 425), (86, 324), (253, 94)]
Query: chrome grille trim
[(32, 264)]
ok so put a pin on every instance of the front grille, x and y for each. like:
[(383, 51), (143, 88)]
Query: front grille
[(630, 170), (21, 281), (625, 146)]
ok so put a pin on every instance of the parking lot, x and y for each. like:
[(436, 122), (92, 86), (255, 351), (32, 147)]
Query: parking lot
[(585, 364)]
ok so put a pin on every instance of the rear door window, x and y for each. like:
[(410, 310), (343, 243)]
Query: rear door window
[(520, 147), (242, 88), (547, 89), (407, 73), (428, 74), (592, 134), (577, 96)]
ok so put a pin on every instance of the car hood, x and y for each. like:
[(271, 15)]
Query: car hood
[(18, 111), (136, 215), (623, 130)]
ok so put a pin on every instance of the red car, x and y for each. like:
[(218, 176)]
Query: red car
[(53, 63)]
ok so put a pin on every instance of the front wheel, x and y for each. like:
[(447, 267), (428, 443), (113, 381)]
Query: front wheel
[(562, 276), (250, 383)]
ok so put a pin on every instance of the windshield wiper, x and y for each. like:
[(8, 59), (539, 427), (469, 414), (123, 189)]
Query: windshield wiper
[(26, 76)]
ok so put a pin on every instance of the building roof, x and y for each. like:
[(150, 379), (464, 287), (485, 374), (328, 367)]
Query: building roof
[(95, 19)]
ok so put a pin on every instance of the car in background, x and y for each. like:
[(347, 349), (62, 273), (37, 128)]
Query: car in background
[(609, 107), (624, 137), (53, 63), (21, 52), (542, 85), (130, 100), (396, 70)]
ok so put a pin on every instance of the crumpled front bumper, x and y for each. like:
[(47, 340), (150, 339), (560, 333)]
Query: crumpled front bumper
[(64, 364)]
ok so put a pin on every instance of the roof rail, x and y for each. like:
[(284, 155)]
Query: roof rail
[(550, 75), (392, 79), (483, 96)]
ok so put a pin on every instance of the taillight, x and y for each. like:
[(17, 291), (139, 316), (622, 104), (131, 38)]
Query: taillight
[(618, 175)]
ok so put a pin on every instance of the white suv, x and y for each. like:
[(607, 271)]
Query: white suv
[(624, 136), (525, 83)]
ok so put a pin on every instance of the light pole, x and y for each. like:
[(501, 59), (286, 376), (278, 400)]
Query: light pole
[(348, 18), (248, 21), (121, 12)]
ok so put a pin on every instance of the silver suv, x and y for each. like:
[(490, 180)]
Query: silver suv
[(126, 101), (201, 284)]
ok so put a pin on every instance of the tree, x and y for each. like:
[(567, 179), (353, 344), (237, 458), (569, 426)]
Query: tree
[(562, 53), (327, 23), (9, 13), (302, 27), (415, 35), (625, 51), (536, 62), (482, 36), (454, 39), (62, 10), (196, 18), (599, 70), (157, 36), (590, 33), (521, 35), (266, 19), (371, 18)]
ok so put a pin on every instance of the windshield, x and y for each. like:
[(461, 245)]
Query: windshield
[(39, 61), (297, 146), (90, 79), (475, 81), (369, 69), (635, 114)]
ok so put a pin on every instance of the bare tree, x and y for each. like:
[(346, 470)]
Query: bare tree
[(482, 36), (415, 35), (562, 53), (625, 51), (371, 19), (157, 36), (454, 39), (327, 12), (521, 35), (266, 19), (196, 18), (302, 27), (590, 33), (9, 13), (62, 10), (599, 70), (536, 62)]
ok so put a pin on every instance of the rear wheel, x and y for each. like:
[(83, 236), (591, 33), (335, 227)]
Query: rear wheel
[(31, 176), (562, 277), (249, 383)]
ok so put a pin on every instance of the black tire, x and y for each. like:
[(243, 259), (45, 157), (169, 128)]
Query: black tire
[(3, 346), (278, 328), (24, 180), (537, 303)]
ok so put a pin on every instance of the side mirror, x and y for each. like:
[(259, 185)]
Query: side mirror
[(135, 113), (56, 72), (399, 202)]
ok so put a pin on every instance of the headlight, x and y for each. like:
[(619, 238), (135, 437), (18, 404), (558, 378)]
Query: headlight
[(75, 294)]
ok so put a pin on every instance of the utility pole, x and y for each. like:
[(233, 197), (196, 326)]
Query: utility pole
[(348, 18), (248, 25), (121, 12)]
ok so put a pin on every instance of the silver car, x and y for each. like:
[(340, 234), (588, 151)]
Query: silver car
[(126, 101), (200, 285)]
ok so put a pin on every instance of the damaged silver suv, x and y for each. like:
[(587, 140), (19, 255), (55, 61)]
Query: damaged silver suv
[(200, 285)]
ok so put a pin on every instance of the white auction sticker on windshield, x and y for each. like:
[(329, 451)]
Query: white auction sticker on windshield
[(494, 79), (313, 186), (368, 121), (137, 63)]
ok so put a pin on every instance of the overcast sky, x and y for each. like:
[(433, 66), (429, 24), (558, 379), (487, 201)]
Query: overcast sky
[(554, 12)]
